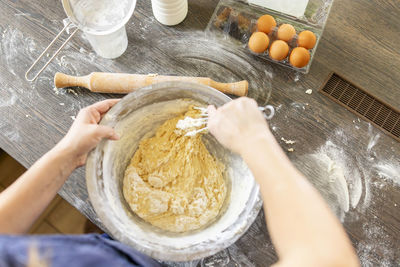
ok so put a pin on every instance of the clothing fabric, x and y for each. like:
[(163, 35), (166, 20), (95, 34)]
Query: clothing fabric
[(71, 250)]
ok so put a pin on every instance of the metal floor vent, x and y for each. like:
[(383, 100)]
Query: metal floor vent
[(358, 101)]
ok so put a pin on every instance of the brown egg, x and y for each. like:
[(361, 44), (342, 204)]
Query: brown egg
[(266, 23), (299, 57), (286, 32), (278, 50), (258, 42), (306, 39)]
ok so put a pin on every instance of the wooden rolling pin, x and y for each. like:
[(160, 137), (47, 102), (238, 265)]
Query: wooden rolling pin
[(122, 83)]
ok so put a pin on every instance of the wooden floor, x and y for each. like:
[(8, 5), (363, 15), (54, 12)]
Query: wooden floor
[(59, 217)]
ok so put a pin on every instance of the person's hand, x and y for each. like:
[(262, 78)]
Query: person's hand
[(85, 133), (237, 124)]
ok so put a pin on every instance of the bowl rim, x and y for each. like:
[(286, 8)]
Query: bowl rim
[(177, 254)]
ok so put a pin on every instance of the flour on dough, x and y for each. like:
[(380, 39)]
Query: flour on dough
[(173, 182)]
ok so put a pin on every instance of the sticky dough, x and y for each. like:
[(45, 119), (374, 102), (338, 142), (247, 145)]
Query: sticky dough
[(172, 180)]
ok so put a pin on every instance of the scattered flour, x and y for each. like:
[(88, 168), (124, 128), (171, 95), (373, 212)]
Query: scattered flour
[(15, 45), (372, 140), (289, 142), (388, 171), (297, 77), (298, 105), (368, 175), (72, 91), (336, 176), (232, 256), (70, 27), (56, 90), (13, 136), (376, 242), (9, 98), (62, 91), (332, 172)]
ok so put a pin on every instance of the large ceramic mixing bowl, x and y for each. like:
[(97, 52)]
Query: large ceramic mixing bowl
[(136, 116)]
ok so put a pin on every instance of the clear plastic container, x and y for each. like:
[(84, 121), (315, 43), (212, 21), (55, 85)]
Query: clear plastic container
[(103, 22), (233, 22), (110, 45)]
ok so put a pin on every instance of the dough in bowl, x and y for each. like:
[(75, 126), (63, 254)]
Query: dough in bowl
[(172, 181)]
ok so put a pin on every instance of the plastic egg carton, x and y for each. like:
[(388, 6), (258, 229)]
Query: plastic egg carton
[(233, 22)]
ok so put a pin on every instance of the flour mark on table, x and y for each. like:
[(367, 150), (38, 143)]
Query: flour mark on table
[(15, 45)]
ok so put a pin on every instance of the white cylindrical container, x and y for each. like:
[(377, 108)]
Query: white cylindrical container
[(103, 22), (110, 45), (170, 12)]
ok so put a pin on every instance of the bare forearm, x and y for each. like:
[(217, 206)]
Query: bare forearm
[(25, 199), (301, 225), (23, 202)]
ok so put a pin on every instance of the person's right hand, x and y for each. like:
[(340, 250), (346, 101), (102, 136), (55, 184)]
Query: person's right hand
[(237, 124)]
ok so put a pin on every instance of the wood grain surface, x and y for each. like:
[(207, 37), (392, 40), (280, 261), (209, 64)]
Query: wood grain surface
[(361, 42)]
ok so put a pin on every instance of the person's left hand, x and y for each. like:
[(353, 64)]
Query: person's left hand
[(85, 133)]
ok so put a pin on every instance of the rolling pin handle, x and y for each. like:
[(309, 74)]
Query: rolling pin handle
[(62, 80), (237, 88)]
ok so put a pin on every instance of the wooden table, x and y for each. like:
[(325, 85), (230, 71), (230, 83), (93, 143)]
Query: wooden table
[(361, 42)]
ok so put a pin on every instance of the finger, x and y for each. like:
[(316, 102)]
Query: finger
[(105, 105), (83, 115), (211, 124), (230, 104), (94, 113), (88, 114), (211, 110), (252, 102), (103, 131), (213, 118)]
